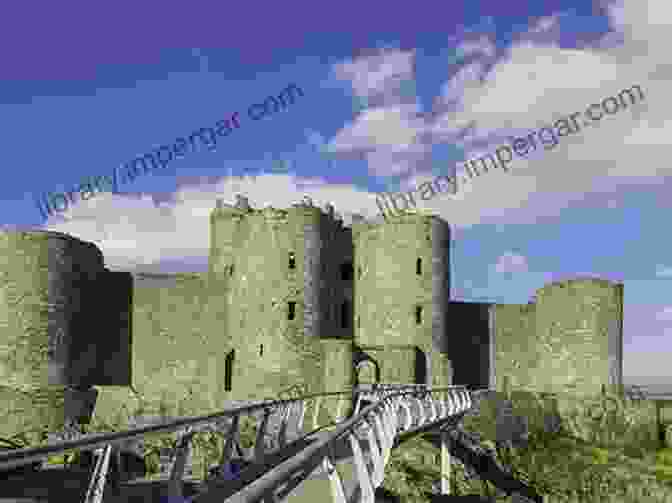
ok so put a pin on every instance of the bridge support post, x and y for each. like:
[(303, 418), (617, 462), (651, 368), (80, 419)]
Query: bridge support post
[(445, 463), (175, 483)]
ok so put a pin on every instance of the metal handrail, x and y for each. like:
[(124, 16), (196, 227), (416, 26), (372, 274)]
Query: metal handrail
[(308, 459), (91, 442), (382, 417), (17, 457)]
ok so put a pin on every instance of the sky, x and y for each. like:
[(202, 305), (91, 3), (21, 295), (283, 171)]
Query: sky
[(394, 94)]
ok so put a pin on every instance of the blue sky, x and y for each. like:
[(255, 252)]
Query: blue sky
[(394, 95)]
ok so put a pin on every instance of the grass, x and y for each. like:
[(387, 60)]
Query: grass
[(560, 466), (563, 469)]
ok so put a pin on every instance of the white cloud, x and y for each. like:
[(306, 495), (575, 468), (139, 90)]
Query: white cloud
[(663, 271), (534, 84), (377, 74), (511, 262), (137, 233), (389, 132)]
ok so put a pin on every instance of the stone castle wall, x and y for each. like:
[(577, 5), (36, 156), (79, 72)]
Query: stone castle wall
[(516, 355), (579, 336), (182, 339), (179, 347), (569, 340), (41, 301), (397, 268), (49, 305), (337, 355), (285, 264), (442, 370)]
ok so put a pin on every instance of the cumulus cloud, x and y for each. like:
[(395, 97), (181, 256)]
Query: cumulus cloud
[(535, 82), (139, 232)]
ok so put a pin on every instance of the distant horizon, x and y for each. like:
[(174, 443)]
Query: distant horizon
[(648, 381)]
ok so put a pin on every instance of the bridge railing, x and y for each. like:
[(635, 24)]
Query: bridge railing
[(379, 423), (290, 410), (107, 444)]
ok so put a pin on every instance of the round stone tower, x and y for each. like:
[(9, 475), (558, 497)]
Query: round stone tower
[(579, 336), (44, 301), (277, 263), (401, 295)]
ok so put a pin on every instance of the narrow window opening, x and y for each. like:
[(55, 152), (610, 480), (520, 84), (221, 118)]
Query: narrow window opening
[(231, 270), (291, 313), (358, 324), (228, 370), (418, 315), (346, 271), (292, 260), (418, 267), (345, 314), (261, 350), (359, 272)]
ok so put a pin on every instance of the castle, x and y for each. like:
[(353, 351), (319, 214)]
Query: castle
[(293, 299)]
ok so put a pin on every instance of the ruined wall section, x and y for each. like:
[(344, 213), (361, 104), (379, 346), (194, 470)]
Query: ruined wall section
[(179, 343), (579, 335), (515, 353)]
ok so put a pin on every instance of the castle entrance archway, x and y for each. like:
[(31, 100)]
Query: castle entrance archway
[(367, 370)]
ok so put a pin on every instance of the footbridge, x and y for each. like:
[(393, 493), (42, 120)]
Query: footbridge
[(291, 447)]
